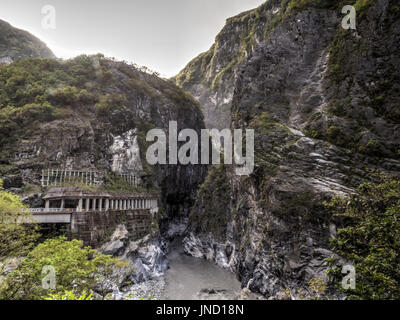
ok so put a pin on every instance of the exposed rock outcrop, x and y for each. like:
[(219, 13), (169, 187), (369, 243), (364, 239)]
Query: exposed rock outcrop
[(147, 256), (323, 109)]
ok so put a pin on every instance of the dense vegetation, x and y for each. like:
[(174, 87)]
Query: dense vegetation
[(371, 238), (77, 269), (15, 239), (36, 91)]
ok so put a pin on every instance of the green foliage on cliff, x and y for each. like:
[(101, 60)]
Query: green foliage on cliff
[(35, 91), (258, 23), (68, 295), (371, 239), (16, 239), (77, 268), (109, 103), (211, 212)]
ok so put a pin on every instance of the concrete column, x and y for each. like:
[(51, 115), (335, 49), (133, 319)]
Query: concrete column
[(47, 205), (87, 204), (124, 204), (80, 204), (62, 204), (100, 204), (94, 204), (107, 205)]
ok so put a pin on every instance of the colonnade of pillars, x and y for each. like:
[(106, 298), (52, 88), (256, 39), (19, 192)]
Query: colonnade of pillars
[(101, 204)]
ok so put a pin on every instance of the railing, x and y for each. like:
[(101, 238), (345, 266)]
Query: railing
[(66, 211), (64, 177), (46, 210)]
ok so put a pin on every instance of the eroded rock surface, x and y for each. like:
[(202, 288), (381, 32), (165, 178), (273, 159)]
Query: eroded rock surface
[(324, 111)]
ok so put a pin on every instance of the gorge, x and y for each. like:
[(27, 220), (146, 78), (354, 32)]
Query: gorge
[(322, 102)]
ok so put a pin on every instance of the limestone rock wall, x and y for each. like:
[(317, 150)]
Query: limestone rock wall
[(323, 109)]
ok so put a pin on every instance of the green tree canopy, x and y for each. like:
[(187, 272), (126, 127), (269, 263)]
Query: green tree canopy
[(371, 238), (77, 268), (16, 239)]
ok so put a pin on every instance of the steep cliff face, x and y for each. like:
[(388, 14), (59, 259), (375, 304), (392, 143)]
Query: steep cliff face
[(18, 44), (323, 102), (92, 113)]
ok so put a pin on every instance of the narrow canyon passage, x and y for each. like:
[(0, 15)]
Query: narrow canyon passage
[(192, 278)]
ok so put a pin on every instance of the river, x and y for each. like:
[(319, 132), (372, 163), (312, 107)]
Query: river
[(191, 278)]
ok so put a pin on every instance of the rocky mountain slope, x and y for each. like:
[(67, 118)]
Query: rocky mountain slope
[(323, 102), (91, 113), (18, 44)]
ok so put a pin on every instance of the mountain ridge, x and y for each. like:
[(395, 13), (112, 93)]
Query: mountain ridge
[(17, 44)]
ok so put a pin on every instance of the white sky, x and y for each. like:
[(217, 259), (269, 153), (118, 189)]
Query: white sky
[(163, 35)]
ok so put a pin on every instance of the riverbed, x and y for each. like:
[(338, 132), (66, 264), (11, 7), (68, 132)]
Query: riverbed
[(190, 278)]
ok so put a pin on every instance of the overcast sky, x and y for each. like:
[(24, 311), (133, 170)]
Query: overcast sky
[(163, 35)]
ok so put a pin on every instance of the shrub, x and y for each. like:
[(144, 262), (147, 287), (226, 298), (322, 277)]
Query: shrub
[(109, 103), (78, 269), (370, 238)]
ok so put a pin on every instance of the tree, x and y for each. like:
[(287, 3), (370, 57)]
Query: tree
[(16, 239), (77, 268), (371, 238)]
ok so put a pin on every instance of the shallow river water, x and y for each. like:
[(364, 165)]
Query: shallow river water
[(191, 278)]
